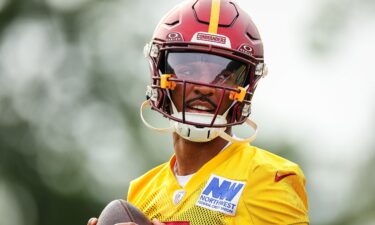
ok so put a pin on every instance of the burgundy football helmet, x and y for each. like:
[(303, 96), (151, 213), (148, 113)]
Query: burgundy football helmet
[(205, 43)]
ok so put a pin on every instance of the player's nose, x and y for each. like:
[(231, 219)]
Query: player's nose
[(203, 90)]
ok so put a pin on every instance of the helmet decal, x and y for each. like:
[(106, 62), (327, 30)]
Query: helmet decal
[(174, 36), (247, 49), (213, 39)]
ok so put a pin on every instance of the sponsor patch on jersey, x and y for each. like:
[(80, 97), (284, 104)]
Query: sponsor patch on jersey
[(221, 194), (213, 39)]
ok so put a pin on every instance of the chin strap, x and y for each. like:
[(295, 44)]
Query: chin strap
[(229, 138), (144, 105), (222, 134)]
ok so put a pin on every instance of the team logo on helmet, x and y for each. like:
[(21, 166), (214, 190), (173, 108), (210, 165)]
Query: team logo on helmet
[(214, 39), (175, 36), (247, 49)]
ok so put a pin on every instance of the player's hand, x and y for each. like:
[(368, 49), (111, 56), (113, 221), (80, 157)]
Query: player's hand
[(92, 221), (128, 223), (157, 222), (154, 222)]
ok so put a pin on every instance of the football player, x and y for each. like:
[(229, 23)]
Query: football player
[(206, 58)]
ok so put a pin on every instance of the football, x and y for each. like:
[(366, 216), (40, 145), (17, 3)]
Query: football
[(121, 211)]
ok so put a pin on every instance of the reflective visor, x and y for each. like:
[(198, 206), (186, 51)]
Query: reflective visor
[(206, 68)]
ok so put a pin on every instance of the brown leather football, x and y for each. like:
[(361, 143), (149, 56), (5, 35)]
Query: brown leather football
[(121, 211)]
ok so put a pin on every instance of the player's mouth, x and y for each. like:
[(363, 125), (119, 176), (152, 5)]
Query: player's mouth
[(201, 106)]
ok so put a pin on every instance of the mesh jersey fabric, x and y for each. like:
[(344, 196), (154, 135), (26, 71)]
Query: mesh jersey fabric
[(273, 191)]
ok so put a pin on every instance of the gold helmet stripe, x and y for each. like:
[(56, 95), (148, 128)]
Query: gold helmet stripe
[(214, 18)]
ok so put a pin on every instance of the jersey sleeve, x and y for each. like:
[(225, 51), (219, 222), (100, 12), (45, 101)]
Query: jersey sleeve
[(132, 191), (138, 187), (277, 195)]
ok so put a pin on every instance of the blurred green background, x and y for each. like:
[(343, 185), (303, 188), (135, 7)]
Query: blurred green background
[(72, 78)]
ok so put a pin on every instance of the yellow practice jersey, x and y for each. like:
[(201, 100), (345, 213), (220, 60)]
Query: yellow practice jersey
[(241, 185)]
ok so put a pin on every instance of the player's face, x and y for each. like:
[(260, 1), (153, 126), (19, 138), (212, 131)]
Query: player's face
[(207, 69), (200, 99)]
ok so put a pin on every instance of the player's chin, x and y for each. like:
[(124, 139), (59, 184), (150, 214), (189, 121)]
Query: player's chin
[(201, 111)]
